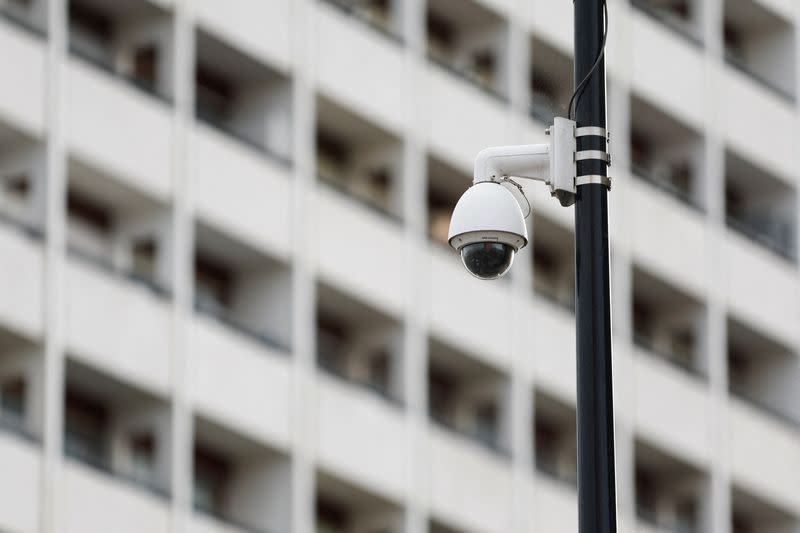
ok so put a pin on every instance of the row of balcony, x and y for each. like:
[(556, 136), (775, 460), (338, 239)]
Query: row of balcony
[(126, 234), (248, 293), (123, 433), (134, 41), (251, 101), (472, 41)]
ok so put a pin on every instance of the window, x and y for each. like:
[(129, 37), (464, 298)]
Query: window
[(143, 449), (145, 66), (86, 426), (213, 283), (144, 258), (12, 400), (211, 475), (215, 95), (88, 213)]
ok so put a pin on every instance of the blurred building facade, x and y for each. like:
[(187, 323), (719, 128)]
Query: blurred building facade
[(228, 306)]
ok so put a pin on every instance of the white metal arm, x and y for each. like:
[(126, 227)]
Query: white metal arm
[(530, 161)]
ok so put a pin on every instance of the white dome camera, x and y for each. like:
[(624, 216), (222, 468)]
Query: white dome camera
[(488, 225), (487, 229)]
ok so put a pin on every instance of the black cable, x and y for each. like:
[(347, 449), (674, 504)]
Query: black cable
[(576, 96)]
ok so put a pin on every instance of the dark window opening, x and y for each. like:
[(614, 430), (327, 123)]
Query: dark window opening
[(86, 425), (213, 284), (212, 474)]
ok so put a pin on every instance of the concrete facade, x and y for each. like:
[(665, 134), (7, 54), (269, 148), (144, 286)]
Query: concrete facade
[(227, 307)]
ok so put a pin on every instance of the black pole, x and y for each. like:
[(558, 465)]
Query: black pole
[(595, 412)]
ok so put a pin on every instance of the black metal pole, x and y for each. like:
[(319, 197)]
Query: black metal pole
[(595, 412)]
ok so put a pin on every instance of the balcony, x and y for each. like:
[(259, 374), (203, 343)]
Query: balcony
[(22, 182), (553, 262), (242, 288), (684, 17), (470, 42), (446, 184), (750, 514), (21, 482), (344, 508), (131, 41), (763, 372), (550, 81), (764, 454), (459, 471), (27, 14), (667, 154), (117, 230), (359, 344), (761, 45), (229, 470), (243, 98), (359, 159), (21, 387), (555, 439), (383, 16), (668, 323), (670, 495), (116, 429), (760, 207), (681, 425), (241, 192), (468, 397)]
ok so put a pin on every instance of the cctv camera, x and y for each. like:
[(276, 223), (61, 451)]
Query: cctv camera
[(487, 228)]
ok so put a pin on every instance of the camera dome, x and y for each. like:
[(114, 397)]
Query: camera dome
[(487, 228), (487, 260)]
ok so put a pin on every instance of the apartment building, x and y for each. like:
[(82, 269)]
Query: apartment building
[(228, 305)]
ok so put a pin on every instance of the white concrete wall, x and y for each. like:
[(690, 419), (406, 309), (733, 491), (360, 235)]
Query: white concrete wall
[(277, 400)]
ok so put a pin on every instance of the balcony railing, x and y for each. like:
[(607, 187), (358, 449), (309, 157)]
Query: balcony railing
[(780, 247), (103, 465), (22, 20), (766, 409), (550, 469), (28, 229), (225, 519), (16, 426), (644, 344), (106, 67), (649, 517), (350, 8), (549, 295), (682, 29), (334, 371), (743, 67), (489, 442), (215, 122), (221, 314), (105, 265), (374, 206), (467, 75), (665, 186)]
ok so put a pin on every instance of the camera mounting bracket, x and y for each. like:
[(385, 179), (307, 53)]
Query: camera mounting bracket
[(554, 163)]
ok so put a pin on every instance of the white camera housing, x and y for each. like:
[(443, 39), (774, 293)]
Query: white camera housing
[(487, 228)]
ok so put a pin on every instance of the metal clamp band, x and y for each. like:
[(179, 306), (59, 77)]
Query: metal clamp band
[(593, 179), (592, 131), (593, 154)]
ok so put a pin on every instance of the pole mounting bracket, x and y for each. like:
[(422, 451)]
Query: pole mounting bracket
[(593, 179), (590, 155), (593, 131)]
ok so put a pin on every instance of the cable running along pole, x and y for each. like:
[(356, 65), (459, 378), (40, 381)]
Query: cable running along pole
[(595, 413)]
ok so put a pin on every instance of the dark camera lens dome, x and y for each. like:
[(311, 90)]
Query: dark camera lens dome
[(487, 260)]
